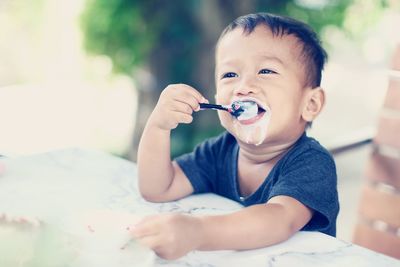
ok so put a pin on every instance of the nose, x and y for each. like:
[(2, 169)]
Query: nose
[(246, 86)]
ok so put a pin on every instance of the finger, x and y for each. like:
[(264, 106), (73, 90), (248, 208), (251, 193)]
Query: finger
[(189, 100), (197, 95), (144, 229), (177, 117), (150, 218), (181, 89), (141, 232), (191, 96), (183, 118), (181, 106), (152, 242)]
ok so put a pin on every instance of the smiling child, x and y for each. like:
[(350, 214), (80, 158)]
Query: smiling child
[(285, 180)]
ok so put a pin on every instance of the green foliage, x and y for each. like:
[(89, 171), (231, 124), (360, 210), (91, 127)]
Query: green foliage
[(119, 30), (130, 31), (332, 14)]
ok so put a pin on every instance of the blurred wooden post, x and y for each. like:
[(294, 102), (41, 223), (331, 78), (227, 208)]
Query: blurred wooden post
[(378, 227)]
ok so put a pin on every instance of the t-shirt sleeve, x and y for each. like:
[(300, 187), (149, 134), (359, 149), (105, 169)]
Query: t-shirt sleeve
[(311, 179), (199, 165)]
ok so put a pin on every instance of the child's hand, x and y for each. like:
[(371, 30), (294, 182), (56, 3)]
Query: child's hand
[(176, 105), (171, 236)]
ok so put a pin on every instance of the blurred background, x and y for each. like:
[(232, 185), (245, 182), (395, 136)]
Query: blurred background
[(88, 73)]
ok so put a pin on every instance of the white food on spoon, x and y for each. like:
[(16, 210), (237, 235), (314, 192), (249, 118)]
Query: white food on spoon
[(250, 110)]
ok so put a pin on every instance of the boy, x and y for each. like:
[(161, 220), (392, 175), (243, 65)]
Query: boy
[(285, 180)]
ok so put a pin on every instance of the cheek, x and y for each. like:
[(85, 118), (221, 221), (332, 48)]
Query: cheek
[(218, 97), (291, 109), (225, 119), (222, 96)]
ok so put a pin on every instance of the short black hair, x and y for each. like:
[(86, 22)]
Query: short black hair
[(313, 53)]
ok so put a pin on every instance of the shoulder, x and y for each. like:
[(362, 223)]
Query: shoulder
[(211, 148), (202, 165), (309, 155), (308, 174), (309, 146)]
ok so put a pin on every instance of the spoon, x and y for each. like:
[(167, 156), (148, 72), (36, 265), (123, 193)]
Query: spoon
[(242, 110)]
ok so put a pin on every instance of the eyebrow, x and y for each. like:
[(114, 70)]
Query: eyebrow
[(263, 58), (272, 58)]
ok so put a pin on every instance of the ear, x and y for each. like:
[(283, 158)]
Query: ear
[(314, 102)]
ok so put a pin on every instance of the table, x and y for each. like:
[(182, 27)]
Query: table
[(57, 185)]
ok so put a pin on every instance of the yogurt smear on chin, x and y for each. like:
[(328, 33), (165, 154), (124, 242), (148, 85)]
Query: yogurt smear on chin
[(253, 132)]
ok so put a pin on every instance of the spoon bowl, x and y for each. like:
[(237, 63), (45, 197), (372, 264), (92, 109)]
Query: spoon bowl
[(242, 110)]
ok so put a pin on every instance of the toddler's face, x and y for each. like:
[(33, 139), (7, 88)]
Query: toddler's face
[(266, 69)]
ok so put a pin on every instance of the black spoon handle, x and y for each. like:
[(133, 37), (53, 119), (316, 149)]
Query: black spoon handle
[(212, 106)]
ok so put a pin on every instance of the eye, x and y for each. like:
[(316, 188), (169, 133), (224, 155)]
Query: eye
[(229, 75), (266, 71)]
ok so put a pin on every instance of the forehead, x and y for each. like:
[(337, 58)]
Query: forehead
[(260, 42)]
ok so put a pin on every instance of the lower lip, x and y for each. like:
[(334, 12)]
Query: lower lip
[(252, 120)]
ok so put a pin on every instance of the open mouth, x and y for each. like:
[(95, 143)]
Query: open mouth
[(252, 113)]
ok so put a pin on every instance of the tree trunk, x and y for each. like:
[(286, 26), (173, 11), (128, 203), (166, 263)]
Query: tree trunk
[(148, 93)]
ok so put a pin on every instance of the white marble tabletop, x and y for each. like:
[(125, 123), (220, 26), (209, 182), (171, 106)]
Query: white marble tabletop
[(62, 187)]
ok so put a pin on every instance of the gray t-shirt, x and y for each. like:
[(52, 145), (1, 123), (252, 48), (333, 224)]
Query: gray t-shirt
[(307, 173)]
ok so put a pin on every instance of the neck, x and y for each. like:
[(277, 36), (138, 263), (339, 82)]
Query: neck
[(263, 153)]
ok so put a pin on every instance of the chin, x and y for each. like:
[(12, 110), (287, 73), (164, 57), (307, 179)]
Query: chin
[(249, 141), (253, 134)]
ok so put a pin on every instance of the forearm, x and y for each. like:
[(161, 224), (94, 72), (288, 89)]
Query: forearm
[(253, 227), (155, 171)]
